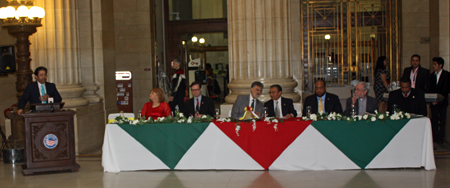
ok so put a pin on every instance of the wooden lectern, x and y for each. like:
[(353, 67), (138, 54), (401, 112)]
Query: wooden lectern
[(49, 140)]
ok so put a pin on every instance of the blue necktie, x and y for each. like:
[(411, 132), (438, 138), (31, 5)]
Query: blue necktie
[(43, 93)]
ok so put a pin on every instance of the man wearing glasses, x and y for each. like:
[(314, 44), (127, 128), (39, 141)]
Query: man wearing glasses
[(251, 100), (198, 105), (360, 102), (278, 106)]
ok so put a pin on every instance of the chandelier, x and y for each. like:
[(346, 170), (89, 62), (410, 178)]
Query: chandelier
[(21, 12)]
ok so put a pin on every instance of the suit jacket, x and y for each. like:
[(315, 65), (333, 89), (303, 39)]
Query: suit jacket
[(371, 105), (442, 87), (332, 103), (287, 107), (31, 94), (243, 101), (206, 107), (422, 78), (415, 103)]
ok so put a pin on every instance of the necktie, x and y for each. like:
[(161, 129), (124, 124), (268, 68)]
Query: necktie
[(320, 105), (277, 110), (253, 105), (43, 93), (197, 108), (406, 95)]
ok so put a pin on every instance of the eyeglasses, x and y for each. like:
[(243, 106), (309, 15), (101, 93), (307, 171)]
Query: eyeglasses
[(195, 89)]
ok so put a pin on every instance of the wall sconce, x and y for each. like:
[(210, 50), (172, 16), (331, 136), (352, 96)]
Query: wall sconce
[(327, 37), (372, 35)]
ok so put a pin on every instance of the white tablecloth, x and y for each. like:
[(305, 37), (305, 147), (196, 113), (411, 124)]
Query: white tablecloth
[(412, 147)]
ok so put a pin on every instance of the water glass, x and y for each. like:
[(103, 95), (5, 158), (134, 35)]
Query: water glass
[(265, 112), (217, 116)]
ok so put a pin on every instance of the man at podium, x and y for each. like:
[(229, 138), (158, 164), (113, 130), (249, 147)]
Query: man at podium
[(39, 91)]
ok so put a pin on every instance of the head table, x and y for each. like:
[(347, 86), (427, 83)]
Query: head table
[(291, 145)]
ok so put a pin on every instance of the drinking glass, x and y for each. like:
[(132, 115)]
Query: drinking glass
[(217, 116), (265, 112)]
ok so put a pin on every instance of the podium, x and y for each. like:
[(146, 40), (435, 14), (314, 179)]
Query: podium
[(49, 141)]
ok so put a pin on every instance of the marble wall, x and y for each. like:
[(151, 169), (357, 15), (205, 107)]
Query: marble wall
[(133, 46), (415, 24)]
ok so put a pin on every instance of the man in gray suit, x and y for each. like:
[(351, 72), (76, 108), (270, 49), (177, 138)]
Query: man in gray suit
[(361, 101), (243, 101)]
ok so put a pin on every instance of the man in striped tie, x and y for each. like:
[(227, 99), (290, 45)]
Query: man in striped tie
[(39, 91), (278, 106)]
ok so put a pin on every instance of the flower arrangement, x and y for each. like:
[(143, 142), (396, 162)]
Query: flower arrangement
[(178, 118), (366, 117)]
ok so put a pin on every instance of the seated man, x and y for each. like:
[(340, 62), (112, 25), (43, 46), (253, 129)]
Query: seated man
[(199, 104), (361, 101), (243, 101), (321, 101), (407, 99), (278, 106), (39, 91)]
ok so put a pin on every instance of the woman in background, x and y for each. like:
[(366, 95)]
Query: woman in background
[(381, 85), (156, 107)]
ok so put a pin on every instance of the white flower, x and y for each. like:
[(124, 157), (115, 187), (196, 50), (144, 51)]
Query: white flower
[(376, 111), (381, 116), (365, 116), (387, 113), (181, 114), (238, 128), (135, 122), (204, 117), (305, 118), (348, 118), (180, 121), (275, 121), (395, 117), (189, 120), (359, 117), (373, 119), (408, 115), (313, 117)]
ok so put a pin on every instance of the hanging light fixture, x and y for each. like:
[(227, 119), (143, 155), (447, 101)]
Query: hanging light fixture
[(194, 39), (21, 12), (201, 40)]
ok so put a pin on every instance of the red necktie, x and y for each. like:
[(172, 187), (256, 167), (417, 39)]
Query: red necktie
[(406, 95)]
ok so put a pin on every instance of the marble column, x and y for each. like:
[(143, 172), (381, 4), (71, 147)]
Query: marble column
[(56, 47), (259, 38)]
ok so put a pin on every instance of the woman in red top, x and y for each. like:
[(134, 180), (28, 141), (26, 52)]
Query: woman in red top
[(156, 107)]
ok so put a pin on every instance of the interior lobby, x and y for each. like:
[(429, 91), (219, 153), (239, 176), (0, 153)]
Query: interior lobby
[(83, 43)]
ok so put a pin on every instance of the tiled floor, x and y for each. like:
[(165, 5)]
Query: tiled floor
[(91, 175)]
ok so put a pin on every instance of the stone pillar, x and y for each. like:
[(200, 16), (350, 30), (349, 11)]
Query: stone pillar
[(259, 38), (57, 49)]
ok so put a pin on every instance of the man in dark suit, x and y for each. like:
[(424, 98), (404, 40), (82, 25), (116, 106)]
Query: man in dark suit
[(321, 101), (439, 83), (419, 76), (199, 104), (251, 100), (361, 102), (39, 91), (407, 99), (278, 106)]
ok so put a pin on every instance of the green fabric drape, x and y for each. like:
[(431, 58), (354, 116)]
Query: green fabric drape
[(168, 142), (360, 141)]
